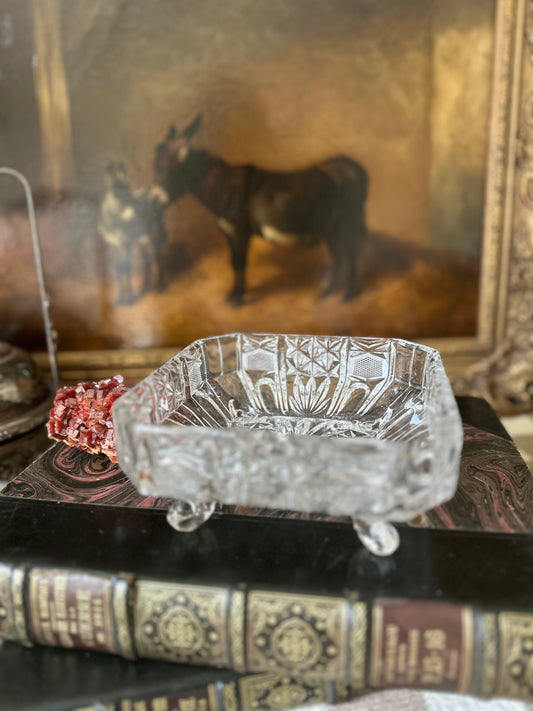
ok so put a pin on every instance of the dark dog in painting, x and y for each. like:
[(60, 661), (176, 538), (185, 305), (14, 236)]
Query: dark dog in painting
[(132, 226), (325, 202)]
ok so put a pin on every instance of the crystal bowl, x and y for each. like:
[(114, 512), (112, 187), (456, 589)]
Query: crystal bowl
[(360, 427)]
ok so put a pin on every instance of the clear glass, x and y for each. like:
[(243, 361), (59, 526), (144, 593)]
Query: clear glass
[(360, 427)]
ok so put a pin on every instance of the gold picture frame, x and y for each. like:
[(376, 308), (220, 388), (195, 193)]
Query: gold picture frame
[(497, 363)]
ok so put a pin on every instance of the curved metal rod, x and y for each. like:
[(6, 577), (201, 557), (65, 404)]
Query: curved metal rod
[(45, 299)]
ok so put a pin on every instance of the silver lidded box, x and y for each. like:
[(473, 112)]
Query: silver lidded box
[(360, 427)]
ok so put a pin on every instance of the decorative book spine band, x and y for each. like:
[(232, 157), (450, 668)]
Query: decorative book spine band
[(380, 644), (254, 692), (12, 600), (252, 631)]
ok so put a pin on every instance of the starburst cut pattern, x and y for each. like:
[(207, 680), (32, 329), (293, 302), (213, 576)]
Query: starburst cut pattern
[(313, 357)]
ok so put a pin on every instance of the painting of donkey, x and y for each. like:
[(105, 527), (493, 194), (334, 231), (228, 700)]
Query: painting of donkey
[(131, 224), (325, 202)]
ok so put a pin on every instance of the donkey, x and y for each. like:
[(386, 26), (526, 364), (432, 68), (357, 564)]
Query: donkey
[(325, 202), (130, 222)]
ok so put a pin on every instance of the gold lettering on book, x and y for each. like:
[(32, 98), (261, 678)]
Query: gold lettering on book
[(401, 662), (98, 612), (392, 634), (160, 704), (433, 662), (40, 608), (85, 623), (71, 609), (188, 704), (42, 599), (60, 612), (413, 646), (73, 624), (406, 651), (60, 597), (432, 669), (435, 639), (402, 659)]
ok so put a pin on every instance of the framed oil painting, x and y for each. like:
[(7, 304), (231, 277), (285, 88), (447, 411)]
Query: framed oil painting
[(358, 168)]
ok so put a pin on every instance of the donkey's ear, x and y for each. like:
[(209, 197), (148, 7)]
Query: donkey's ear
[(193, 127), (171, 134)]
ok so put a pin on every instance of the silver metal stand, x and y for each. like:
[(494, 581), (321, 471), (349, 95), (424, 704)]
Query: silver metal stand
[(50, 332)]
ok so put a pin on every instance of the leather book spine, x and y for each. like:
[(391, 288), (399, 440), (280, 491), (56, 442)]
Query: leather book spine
[(249, 630), (82, 610), (422, 644), (360, 644), (196, 700), (67, 608), (266, 692), (450, 647)]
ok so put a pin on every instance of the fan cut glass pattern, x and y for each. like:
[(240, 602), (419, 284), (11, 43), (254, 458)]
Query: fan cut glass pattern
[(359, 427)]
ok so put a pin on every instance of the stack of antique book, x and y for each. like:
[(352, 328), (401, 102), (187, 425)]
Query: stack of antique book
[(104, 606)]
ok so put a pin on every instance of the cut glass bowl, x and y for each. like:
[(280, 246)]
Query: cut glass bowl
[(360, 427)]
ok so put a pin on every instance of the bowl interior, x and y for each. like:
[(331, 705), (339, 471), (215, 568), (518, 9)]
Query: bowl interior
[(187, 430), (330, 386)]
